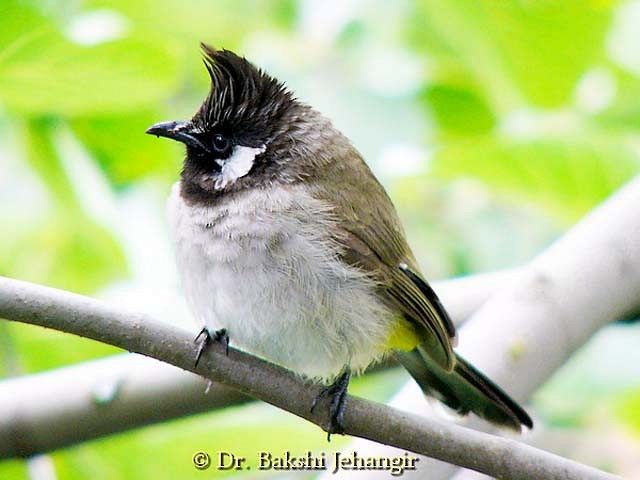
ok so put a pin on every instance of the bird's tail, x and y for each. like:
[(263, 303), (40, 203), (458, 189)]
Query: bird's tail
[(465, 389)]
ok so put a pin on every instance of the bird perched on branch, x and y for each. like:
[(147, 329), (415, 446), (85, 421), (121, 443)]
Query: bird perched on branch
[(289, 246)]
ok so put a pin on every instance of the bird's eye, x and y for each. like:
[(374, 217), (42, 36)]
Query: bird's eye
[(221, 143)]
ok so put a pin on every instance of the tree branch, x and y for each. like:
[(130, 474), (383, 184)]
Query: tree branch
[(496, 456), (528, 329), (98, 398), (587, 279), (115, 394)]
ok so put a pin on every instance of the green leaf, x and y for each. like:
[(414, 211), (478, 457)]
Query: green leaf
[(624, 112), (65, 251), (14, 469), (47, 74), (458, 109), (43, 158), (64, 248), (17, 20), (628, 410), (122, 149), (566, 176), (532, 52), (223, 23), (41, 349)]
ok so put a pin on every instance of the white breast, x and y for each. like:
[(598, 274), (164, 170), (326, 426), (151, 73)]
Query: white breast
[(262, 265)]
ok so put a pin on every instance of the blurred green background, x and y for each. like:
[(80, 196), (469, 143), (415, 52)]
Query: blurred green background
[(495, 125)]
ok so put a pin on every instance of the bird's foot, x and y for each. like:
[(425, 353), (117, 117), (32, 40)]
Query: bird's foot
[(204, 338), (337, 393)]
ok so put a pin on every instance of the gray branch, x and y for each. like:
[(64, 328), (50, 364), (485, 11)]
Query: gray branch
[(98, 398), (530, 327), (67, 312), (587, 279), (123, 392)]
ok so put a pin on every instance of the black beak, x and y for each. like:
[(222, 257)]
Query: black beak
[(180, 131)]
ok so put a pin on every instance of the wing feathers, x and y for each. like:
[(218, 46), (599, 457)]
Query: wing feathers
[(407, 292), (433, 300), (418, 309), (370, 237)]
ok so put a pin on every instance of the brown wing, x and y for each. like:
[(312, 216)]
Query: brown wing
[(371, 237)]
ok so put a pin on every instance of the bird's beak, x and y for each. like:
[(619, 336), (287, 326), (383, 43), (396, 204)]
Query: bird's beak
[(180, 131)]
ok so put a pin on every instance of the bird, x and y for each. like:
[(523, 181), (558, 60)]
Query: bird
[(289, 247)]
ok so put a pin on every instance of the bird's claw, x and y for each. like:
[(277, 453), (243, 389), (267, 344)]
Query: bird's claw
[(204, 338), (337, 393), (223, 337)]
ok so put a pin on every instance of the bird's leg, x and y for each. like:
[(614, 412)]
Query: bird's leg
[(204, 338), (337, 393)]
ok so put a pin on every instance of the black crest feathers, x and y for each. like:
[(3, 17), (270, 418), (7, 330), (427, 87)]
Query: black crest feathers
[(242, 97)]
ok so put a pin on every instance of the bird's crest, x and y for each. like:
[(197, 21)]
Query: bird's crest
[(241, 94)]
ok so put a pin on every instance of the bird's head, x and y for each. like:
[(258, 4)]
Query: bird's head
[(250, 130)]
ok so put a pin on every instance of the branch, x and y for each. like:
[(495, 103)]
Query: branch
[(99, 398), (496, 456), (587, 279), (86, 394), (528, 329)]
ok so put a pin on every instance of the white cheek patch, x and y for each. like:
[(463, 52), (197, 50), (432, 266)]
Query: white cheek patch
[(237, 165)]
